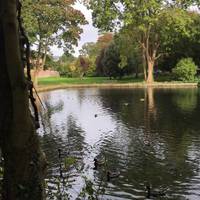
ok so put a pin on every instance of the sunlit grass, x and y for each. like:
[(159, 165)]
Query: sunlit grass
[(86, 80), (56, 81)]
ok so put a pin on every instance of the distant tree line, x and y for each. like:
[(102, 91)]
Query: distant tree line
[(151, 35), (137, 39), (117, 55)]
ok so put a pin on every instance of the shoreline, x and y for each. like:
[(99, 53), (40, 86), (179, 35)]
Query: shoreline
[(43, 88)]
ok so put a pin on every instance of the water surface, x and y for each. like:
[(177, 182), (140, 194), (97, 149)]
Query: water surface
[(151, 136)]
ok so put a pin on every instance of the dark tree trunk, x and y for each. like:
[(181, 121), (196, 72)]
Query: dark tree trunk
[(24, 162), (136, 72)]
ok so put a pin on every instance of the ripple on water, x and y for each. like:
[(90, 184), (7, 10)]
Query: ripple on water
[(154, 142)]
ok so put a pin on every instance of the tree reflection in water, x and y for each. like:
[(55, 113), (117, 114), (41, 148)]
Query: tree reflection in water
[(155, 141)]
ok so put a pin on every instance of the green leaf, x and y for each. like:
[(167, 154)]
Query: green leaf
[(69, 161)]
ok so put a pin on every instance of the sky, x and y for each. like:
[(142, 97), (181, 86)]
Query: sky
[(90, 33)]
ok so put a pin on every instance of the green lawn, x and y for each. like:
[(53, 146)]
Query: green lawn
[(55, 81), (85, 80)]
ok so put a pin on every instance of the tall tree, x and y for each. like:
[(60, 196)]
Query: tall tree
[(141, 15), (89, 49), (146, 19), (104, 40), (54, 22), (102, 43), (24, 162), (130, 52), (189, 42)]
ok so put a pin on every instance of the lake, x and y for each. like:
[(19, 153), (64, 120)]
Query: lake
[(146, 136)]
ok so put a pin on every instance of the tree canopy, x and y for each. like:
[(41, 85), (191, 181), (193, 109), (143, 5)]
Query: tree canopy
[(54, 22), (153, 23)]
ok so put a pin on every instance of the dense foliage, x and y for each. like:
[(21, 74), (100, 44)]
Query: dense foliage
[(154, 25), (185, 70), (54, 22), (113, 64), (63, 64), (149, 36)]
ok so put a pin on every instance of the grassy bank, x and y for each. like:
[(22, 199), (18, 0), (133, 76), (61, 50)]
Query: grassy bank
[(86, 80), (61, 83)]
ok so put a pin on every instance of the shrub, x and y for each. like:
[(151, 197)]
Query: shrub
[(185, 70)]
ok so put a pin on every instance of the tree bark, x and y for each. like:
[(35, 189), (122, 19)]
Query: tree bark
[(45, 54), (24, 162), (44, 60), (37, 66), (144, 63), (150, 78), (149, 53), (136, 73)]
